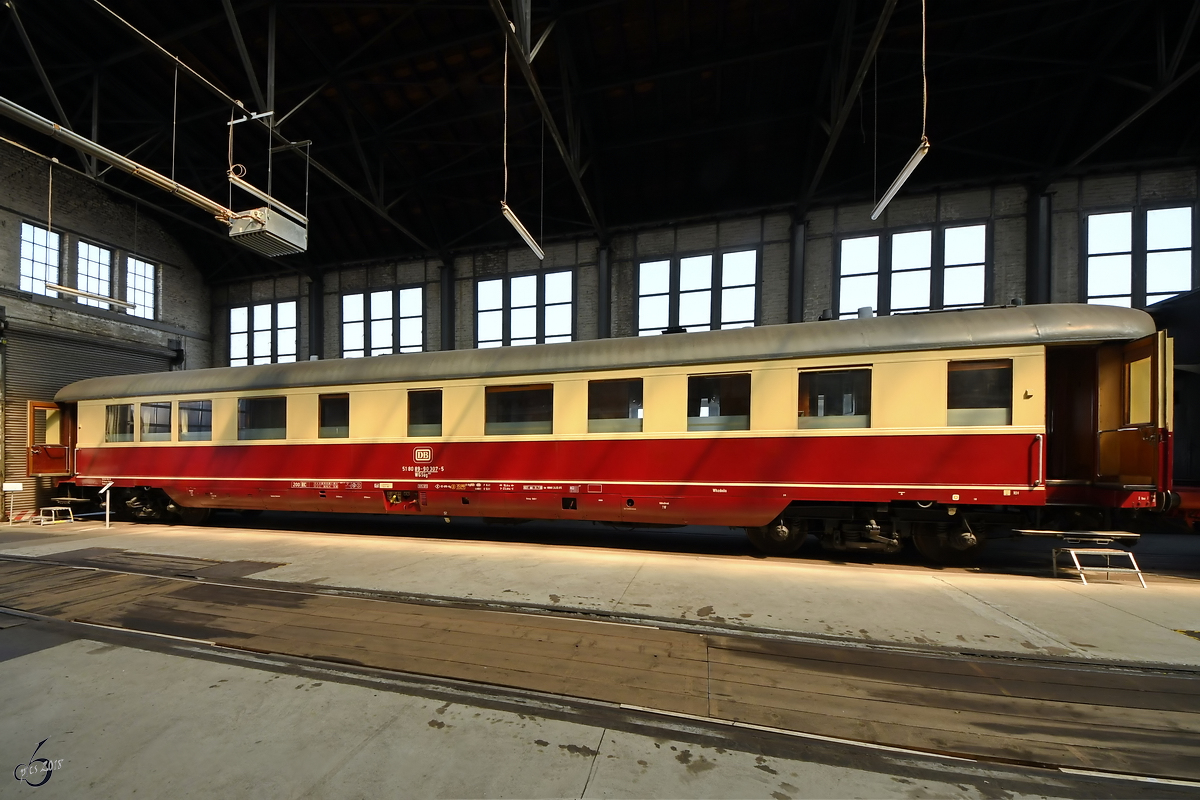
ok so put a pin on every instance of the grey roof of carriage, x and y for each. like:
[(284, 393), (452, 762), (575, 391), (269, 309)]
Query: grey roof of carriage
[(1035, 324)]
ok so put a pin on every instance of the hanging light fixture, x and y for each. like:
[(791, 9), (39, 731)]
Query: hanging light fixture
[(923, 147), (504, 207), (516, 223)]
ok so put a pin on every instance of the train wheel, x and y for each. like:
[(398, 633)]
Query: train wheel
[(194, 516), (777, 538), (949, 548)]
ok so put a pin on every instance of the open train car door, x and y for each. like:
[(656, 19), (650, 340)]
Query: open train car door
[(1134, 413), (50, 443)]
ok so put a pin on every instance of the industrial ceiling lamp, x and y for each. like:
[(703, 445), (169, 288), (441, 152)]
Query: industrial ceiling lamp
[(923, 147), (504, 207)]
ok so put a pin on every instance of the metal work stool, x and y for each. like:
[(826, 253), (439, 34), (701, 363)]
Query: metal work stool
[(1104, 552), (55, 514)]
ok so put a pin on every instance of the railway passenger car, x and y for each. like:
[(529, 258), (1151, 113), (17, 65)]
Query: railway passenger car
[(944, 427)]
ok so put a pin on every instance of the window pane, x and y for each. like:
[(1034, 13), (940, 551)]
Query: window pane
[(719, 402), (523, 323), (334, 416), (839, 399), (286, 314), (118, 423), (262, 317), (910, 290), (262, 344), (654, 277), (1110, 233), (860, 256), (737, 305), (695, 308), (39, 259), (519, 409), (558, 287), (695, 273), (239, 320), (381, 335), (858, 291), (739, 269), (979, 392), (286, 344), (1168, 228), (262, 418), (381, 305), (94, 271), (140, 278), (156, 422), (411, 335), (425, 413), (1108, 275), (523, 291), (558, 321), (652, 313), (353, 337), (963, 286), (352, 308), (1123, 302), (410, 303), (491, 294), (965, 245), (1169, 272), (238, 344), (491, 326), (912, 250), (615, 406), (195, 420)]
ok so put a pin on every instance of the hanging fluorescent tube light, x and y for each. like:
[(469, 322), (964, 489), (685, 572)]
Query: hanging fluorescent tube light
[(922, 149), (516, 223)]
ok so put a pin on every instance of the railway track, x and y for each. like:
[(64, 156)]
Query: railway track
[(1124, 720)]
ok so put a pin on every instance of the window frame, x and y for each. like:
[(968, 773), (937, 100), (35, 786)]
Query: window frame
[(1138, 243), (506, 308), (716, 287), (58, 265), (191, 436), (132, 291), (274, 329), (107, 282), (937, 266)]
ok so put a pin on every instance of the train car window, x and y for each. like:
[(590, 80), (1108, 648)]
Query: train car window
[(262, 418), (425, 412), (979, 392), (156, 422), (835, 399), (195, 420), (719, 402), (118, 423), (519, 409), (334, 414), (615, 406)]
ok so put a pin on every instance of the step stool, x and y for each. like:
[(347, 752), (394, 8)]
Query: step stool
[(53, 515), (1104, 552)]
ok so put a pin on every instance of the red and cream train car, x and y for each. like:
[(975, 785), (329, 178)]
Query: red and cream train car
[(940, 426)]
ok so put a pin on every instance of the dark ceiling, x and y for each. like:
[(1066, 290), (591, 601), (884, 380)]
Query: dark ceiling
[(667, 109)]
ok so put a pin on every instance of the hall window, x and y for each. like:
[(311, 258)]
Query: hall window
[(383, 322), (141, 287), (1139, 257), (263, 334), (918, 270), (698, 292), (93, 271), (39, 259), (525, 309)]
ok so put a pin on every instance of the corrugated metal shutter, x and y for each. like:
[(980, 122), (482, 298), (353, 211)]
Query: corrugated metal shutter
[(36, 366)]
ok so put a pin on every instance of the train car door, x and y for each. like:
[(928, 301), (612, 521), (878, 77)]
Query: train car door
[(51, 434), (1134, 412)]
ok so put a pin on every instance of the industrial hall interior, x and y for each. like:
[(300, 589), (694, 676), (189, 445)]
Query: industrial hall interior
[(600, 398)]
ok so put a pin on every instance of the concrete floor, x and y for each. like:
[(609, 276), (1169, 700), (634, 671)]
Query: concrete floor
[(1009, 605), (151, 721), (131, 715)]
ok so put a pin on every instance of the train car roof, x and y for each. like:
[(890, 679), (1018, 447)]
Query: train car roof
[(989, 327)]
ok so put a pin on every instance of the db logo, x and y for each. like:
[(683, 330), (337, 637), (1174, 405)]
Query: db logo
[(423, 455)]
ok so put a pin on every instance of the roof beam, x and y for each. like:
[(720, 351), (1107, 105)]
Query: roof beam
[(1184, 38), (247, 64), (527, 71), (848, 102)]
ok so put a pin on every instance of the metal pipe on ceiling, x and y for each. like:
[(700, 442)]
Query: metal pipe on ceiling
[(86, 146)]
